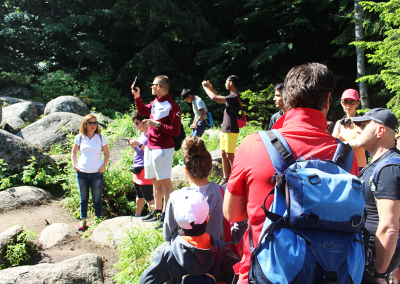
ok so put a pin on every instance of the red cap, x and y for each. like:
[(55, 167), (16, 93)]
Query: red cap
[(350, 94)]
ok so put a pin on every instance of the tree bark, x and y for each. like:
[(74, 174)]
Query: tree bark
[(358, 10)]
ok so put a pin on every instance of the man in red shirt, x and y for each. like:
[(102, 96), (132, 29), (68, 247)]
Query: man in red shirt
[(306, 95), (164, 123)]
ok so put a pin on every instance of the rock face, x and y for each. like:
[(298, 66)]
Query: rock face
[(39, 107), (16, 152), (53, 129), (111, 232), (8, 235), (16, 92), (25, 110), (11, 100), (178, 177), (55, 234), (66, 104), (103, 120), (15, 197), (86, 268), (14, 124)]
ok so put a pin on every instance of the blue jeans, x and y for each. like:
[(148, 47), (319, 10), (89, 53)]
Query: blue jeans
[(201, 127), (95, 182)]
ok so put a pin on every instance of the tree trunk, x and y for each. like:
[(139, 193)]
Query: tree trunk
[(360, 55)]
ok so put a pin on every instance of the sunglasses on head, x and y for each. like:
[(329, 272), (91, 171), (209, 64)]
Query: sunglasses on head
[(92, 122), (346, 102)]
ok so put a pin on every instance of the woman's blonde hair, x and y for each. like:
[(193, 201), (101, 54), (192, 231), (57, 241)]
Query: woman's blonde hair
[(196, 158), (83, 129)]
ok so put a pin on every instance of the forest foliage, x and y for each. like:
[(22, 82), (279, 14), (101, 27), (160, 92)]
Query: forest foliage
[(93, 49)]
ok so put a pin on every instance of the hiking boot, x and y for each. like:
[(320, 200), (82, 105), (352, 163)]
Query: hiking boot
[(151, 217), (224, 181), (82, 225)]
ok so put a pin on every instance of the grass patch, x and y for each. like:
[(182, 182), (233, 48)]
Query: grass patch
[(133, 253)]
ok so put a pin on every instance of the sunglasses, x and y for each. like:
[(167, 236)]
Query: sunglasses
[(152, 84), (92, 122), (346, 102)]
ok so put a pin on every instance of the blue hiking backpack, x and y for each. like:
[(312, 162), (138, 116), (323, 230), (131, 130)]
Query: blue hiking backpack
[(312, 230)]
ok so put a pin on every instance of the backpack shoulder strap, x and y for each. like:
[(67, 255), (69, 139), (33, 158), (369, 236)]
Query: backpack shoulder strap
[(343, 156), (278, 150), (381, 165)]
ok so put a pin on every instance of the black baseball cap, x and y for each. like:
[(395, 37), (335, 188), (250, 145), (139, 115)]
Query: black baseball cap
[(380, 115)]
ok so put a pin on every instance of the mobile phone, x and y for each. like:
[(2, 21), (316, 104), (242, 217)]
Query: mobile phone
[(134, 85)]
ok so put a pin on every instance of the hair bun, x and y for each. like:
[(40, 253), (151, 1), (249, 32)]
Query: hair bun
[(194, 146)]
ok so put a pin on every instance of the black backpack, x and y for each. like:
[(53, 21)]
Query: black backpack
[(179, 139)]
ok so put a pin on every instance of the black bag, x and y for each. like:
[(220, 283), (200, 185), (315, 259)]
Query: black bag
[(136, 170), (179, 139)]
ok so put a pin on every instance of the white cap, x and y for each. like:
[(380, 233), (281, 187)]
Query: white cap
[(190, 206)]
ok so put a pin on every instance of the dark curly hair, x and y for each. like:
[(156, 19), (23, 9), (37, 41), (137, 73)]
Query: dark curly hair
[(196, 158)]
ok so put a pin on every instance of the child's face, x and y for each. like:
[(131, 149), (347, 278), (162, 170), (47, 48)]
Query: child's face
[(189, 99)]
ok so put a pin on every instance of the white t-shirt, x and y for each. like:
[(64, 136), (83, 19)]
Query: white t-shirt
[(90, 159), (197, 105)]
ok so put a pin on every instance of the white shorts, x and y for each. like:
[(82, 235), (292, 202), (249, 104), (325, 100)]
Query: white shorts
[(158, 163)]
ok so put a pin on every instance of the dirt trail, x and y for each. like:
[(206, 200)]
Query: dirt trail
[(34, 218)]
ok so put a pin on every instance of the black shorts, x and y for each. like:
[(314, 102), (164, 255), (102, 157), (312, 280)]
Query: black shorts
[(144, 191)]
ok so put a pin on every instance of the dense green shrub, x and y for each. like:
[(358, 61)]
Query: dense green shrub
[(19, 252), (15, 79)]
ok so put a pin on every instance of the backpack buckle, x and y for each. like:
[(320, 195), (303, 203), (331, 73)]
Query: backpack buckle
[(358, 219), (311, 179)]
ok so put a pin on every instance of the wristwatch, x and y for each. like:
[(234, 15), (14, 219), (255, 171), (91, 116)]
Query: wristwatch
[(376, 274), (140, 146), (158, 124)]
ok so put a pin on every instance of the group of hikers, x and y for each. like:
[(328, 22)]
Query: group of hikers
[(296, 204)]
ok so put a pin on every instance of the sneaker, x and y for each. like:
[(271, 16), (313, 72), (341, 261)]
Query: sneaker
[(160, 223), (151, 217), (224, 181), (82, 225)]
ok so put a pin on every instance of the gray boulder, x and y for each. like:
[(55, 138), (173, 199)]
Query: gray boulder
[(86, 268), (66, 104), (39, 107), (15, 197), (20, 92), (111, 232), (7, 236), (103, 120), (11, 100), (53, 129), (178, 177), (25, 110), (16, 152), (212, 132), (14, 124), (55, 234), (216, 155)]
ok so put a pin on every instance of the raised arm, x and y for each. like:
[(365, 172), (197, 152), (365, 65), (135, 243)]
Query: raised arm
[(208, 87)]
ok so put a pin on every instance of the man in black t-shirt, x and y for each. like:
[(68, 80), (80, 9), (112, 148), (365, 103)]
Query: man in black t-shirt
[(377, 129), (229, 127), (279, 104)]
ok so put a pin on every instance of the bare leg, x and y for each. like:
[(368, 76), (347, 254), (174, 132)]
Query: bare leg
[(167, 190), (226, 165), (231, 157), (139, 205), (158, 193), (150, 204)]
